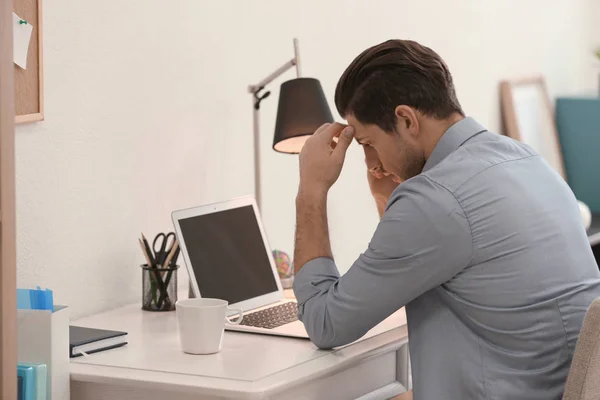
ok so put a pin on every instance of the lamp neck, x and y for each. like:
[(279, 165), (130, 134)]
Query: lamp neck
[(279, 71), (297, 58)]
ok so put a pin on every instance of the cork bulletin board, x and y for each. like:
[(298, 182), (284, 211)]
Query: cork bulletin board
[(29, 83)]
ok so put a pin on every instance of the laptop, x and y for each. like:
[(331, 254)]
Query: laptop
[(228, 257)]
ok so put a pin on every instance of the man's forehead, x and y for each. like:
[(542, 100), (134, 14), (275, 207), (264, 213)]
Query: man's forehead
[(360, 133)]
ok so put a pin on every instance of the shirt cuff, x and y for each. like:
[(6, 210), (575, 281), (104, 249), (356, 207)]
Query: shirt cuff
[(314, 277)]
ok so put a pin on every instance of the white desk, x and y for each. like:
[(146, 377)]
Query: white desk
[(250, 366)]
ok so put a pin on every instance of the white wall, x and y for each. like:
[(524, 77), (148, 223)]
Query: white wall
[(594, 30), (147, 112)]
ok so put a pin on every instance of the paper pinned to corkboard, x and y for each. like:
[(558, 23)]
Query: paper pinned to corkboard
[(29, 82), (21, 38)]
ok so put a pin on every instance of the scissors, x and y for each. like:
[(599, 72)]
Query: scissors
[(164, 248)]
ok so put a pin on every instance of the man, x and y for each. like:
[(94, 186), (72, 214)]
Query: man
[(479, 237)]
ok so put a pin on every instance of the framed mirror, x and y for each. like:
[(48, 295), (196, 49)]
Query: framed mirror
[(528, 117)]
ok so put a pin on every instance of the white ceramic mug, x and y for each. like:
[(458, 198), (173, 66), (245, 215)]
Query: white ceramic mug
[(201, 323)]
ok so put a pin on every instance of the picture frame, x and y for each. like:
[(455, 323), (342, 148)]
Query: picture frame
[(528, 117)]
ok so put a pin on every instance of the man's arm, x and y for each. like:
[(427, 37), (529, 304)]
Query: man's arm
[(312, 236), (423, 240), (321, 161)]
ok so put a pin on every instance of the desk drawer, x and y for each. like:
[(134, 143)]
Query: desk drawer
[(354, 382)]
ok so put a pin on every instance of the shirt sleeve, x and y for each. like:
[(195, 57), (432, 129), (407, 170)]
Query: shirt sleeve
[(423, 240)]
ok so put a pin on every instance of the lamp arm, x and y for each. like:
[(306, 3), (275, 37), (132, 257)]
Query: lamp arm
[(276, 74), (281, 70)]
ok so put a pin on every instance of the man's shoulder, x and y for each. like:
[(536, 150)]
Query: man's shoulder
[(422, 194), (474, 157)]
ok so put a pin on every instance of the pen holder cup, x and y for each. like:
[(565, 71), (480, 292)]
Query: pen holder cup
[(159, 288)]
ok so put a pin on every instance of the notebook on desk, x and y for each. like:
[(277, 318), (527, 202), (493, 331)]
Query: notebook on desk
[(228, 257), (89, 340)]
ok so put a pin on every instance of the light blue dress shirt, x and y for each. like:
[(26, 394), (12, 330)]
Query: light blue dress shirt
[(487, 250)]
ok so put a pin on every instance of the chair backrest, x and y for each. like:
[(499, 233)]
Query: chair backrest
[(583, 382)]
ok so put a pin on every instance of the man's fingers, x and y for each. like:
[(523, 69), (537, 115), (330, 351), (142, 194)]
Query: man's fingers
[(336, 136), (344, 140), (373, 163), (321, 128), (377, 172), (371, 158), (327, 132)]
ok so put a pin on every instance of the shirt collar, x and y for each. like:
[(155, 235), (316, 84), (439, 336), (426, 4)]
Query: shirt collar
[(452, 139)]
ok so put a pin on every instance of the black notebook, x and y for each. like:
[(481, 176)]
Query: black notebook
[(90, 340)]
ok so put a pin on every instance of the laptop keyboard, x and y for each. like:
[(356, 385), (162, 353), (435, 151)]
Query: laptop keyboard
[(272, 317)]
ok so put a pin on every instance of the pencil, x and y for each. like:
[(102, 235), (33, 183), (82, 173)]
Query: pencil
[(144, 250), (151, 261), (171, 254), (175, 257)]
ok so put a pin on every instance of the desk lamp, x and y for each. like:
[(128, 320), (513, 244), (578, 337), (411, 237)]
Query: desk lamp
[(302, 110)]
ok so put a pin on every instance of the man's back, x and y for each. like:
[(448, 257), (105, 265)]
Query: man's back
[(514, 313)]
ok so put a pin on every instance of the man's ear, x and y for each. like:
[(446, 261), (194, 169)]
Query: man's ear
[(406, 120)]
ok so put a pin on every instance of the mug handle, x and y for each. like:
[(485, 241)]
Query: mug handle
[(240, 312)]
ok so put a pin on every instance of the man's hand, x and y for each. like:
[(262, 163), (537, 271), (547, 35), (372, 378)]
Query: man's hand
[(322, 158), (380, 182)]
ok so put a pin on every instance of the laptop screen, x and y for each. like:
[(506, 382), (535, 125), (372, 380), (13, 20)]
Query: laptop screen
[(227, 255)]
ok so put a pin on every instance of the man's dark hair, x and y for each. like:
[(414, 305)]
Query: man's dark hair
[(393, 73)]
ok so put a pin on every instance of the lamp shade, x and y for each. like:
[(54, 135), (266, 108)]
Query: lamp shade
[(302, 110)]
